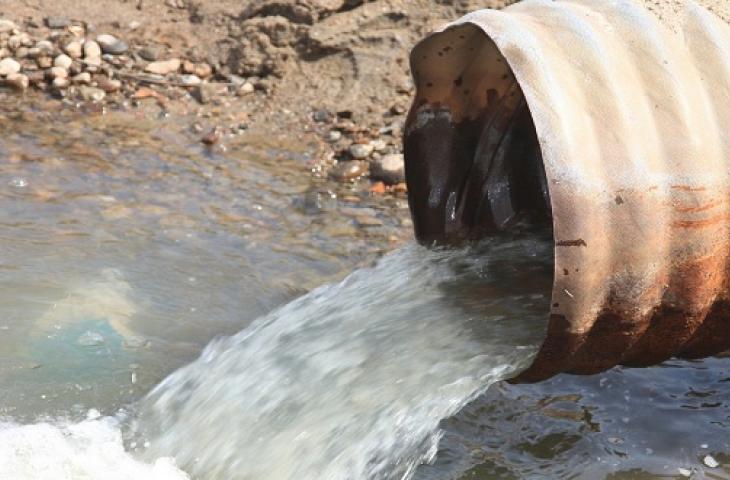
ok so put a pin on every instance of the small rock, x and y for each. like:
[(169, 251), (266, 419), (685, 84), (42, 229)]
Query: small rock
[(379, 145), (45, 47), (109, 85), (60, 83), (190, 80), (9, 66), (361, 150), (111, 44), (83, 78), (92, 94), (212, 137), (92, 49), (92, 61), (4, 52), (245, 89), (203, 70), (44, 62), (710, 461), (368, 221), (58, 72), (76, 30), (73, 49), (17, 81), (7, 26), (134, 25), (151, 52), (19, 40), (22, 52), (684, 472), (349, 170), (334, 136), (390, 169), (205, 92), (321, 116), (378, 188), (56, 22), (163, 67), (63, 61)]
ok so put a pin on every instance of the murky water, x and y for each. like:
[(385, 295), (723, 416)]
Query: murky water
[(126, 247)]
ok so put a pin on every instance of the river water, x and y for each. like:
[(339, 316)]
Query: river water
[(126, 248)]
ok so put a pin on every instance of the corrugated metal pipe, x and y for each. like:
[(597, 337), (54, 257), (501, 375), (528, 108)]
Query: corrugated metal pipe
[(607, 118)]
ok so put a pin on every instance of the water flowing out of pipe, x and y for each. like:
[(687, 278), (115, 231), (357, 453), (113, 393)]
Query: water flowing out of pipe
[(351, 380)]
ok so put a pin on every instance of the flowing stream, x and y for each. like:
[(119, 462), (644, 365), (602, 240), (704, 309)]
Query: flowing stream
[(352, 380), (349, 381)]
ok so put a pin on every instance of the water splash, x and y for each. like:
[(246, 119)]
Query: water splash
[(352, 380)]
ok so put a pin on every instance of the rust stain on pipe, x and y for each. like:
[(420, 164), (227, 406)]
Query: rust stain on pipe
[(616, 135)]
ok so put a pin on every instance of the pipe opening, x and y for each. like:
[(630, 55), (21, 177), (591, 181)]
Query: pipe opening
[(473, 161)]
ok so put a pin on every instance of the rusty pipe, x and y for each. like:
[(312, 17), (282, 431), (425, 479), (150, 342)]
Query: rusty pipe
[(605, 117)]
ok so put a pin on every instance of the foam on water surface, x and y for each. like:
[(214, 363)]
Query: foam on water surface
[(91, 449)]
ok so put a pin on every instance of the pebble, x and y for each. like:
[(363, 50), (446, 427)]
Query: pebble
[(76, 30), (684, 472), (73, 49), (245, 89), (322, 116), (212, 137), (379, 145), (349, 170), (92, 49), (111, 44), (361, 150), (109, 85), (9, 66), (92, 61), (190, 80), (334, 136), (58, 72), (44, 62), (7, 26), (60, 83), (17, 81), (710, 461), (63, 61), (163, 67), (368, 221), (92, 94), (390, 169), (151, 52), (83, 78), (56, 22)]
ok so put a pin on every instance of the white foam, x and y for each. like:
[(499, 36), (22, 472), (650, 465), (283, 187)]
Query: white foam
[(87, 450)]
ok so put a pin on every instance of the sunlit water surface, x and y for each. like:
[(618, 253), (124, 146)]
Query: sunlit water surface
[(126, 248)]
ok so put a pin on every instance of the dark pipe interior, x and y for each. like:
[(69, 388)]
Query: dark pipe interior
[(474, 178)]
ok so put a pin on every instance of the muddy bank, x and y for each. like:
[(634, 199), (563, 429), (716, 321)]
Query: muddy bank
[(333, 73)]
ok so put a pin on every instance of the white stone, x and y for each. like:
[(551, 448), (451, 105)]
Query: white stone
[(190, 80), (63, 61), (361, 150), (711, 462), (163, 67), (7, 26), (73, 49), (17, 81), (9, 66), (59, 72), (92, 49), (83, 78)]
